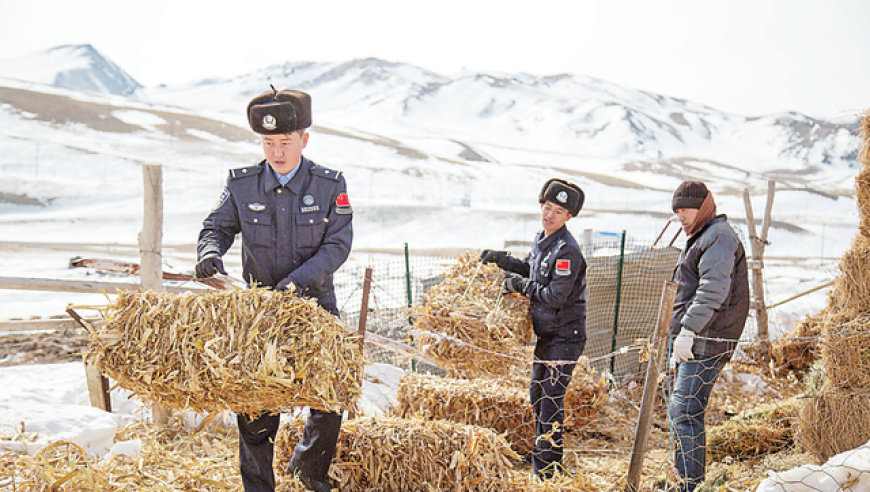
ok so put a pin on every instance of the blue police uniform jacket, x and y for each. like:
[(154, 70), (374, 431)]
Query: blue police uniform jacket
[(557, 291), (300, 232)]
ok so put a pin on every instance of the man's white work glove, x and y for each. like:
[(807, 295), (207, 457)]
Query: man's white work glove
[(683, 346)]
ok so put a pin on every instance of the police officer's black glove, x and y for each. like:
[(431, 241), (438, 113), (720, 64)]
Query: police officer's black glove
[(497, 257), (209, 266), (287, 284), (515, 283)]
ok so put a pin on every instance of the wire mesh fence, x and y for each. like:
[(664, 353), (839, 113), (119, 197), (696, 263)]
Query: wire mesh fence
[(777, 407)]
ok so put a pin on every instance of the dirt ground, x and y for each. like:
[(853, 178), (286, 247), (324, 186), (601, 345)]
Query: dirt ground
[(43, 348)]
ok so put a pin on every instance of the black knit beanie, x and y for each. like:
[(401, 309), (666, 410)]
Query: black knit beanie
[(690, 194)]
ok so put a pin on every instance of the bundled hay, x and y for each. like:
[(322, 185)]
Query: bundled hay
[(832, 422), (172, 458), (247, 351), (469, 327), (851, 290), (394, 454), (763, 430), (797, 352), (501, 405), (845, 349)]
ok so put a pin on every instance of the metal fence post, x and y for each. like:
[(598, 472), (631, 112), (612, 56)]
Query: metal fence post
[(410, 298), (618, 299)]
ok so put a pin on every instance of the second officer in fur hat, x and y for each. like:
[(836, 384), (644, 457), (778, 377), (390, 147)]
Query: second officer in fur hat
[(295, 221), (553, 277)]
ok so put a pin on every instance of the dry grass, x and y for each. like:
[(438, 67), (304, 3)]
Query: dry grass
[(247, 351)]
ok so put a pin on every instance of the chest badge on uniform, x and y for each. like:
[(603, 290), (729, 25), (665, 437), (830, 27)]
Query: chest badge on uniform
[(256, 207), (309, 206), (342, 204), (563, 267)]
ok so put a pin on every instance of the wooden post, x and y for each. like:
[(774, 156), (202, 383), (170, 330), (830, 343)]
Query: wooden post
[(98, 385), (151, 248), (756, 264), (659, 347), (364, 307), (363, 318)]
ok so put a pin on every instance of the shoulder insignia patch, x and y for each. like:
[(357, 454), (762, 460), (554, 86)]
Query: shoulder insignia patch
[(563, 267), (223, 198)]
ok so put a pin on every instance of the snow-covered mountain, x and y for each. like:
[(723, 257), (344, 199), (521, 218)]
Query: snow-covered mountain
[(78, 67), (440, 162), (564, 114)]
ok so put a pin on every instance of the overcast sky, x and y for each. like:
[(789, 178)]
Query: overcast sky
[(745, 56)]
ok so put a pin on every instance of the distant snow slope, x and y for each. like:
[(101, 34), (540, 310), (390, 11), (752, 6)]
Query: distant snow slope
[(75, 67)]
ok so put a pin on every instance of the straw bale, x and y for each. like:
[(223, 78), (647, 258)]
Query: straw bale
[(797, 352), (468, 326), (851, 289), (845, 350), (499, 404), (247, 350), (762, 430), (395, 454), (832, 422)]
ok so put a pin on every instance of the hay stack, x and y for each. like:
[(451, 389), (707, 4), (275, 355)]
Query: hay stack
[(469, 327), (501, 405), (836, 419), (762, 430), (395, 454), (247, 351)]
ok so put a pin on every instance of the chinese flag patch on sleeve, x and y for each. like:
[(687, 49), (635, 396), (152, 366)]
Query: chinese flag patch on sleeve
[(342, 204), (563, 267)]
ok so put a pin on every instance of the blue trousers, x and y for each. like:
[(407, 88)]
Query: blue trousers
[(549, 383), (687, 408)]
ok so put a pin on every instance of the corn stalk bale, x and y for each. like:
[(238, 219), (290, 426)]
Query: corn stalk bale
[(832, 422), (395, 455), (499, 404), (468, 326), (758, 431), (845, 350), (247, 351)]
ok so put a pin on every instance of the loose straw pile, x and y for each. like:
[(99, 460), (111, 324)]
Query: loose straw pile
[(469, 327), (247, 351)]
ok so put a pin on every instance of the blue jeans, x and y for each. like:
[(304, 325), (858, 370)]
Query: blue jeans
[(693, 384)]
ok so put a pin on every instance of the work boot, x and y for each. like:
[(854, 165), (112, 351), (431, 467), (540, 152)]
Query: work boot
[(308, 482)]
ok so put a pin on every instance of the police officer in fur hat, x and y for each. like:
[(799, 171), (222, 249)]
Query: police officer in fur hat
[(295, 220), (553, 277)]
